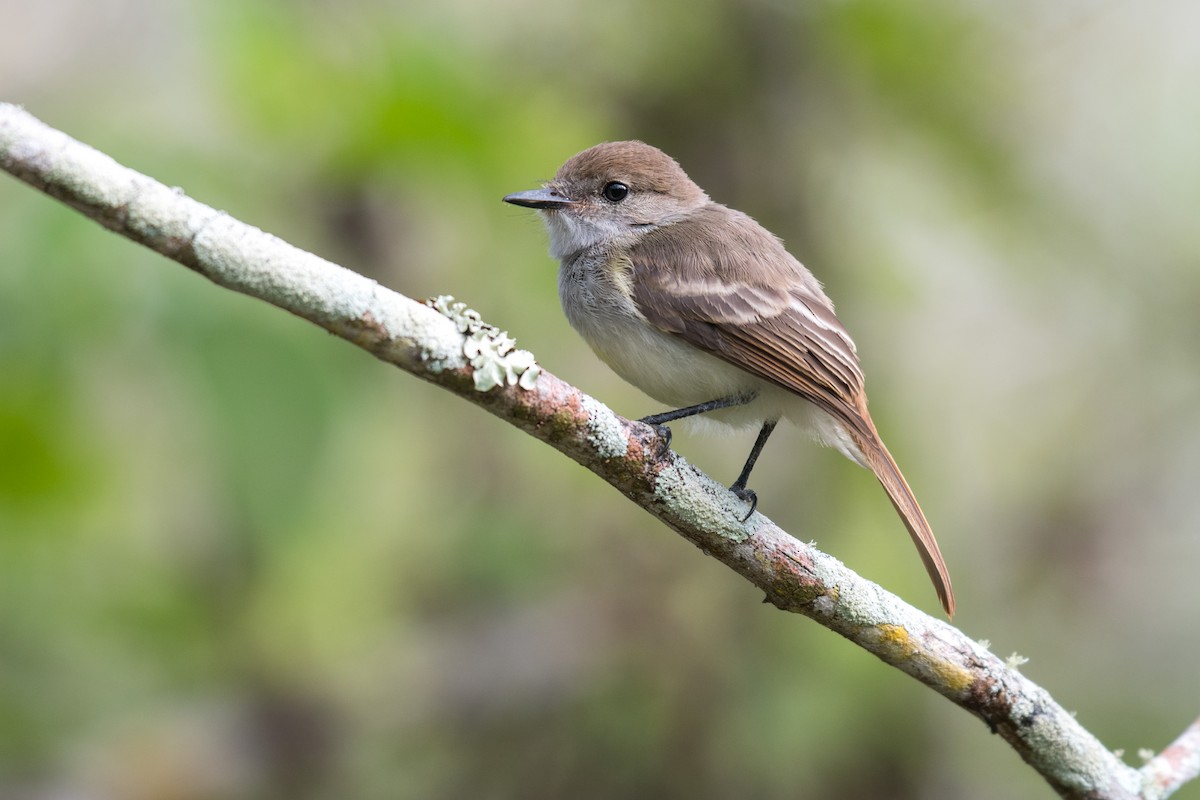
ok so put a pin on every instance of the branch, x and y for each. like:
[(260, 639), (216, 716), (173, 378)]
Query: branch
[(1175, 766), (455, 350)]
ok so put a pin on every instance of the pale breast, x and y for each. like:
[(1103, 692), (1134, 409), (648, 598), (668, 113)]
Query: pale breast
[(663, 366)]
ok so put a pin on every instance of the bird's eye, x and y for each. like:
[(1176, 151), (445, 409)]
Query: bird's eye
[(615, 191)]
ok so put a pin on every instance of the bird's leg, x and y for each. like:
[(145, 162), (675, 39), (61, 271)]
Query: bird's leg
[(699, 408), (739, 486), (657, 421)]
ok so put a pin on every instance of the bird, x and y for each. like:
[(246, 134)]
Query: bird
[(706, 311)]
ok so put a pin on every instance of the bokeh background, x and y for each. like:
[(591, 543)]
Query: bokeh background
[(241, 559)]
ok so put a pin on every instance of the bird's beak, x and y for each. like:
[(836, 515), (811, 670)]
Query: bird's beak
[(548, 199)]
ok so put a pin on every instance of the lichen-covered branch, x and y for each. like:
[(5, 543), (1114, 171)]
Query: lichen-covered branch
[(450, 346), (1174, 766)]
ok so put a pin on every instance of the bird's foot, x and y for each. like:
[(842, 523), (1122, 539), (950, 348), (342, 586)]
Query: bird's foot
[(746, 496), (664, 436)]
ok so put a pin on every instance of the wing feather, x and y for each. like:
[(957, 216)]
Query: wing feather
[(745, 299), (727, 286)]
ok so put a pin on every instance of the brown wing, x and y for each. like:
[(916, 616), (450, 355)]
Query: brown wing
[(742, 297), (727, 286)]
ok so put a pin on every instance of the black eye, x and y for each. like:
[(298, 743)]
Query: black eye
[(615, 191)]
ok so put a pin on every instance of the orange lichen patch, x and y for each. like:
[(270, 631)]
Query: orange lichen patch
[(895, 642), (954, 677), (897, 646)]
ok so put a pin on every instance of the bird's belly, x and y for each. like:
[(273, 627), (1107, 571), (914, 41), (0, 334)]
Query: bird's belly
[(678, 375), (668, 369), (664, 366)]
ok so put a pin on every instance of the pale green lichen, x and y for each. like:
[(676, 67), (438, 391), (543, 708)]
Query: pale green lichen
[(702, 502), (1015, 661), (605, 431), (492, 352)]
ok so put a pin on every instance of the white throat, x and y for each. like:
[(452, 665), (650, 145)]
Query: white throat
[(570, 233)]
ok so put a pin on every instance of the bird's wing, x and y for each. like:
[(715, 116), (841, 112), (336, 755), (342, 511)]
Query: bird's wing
[(743, 298)]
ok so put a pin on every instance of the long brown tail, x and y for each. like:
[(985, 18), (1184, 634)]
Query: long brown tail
[(905, 503)]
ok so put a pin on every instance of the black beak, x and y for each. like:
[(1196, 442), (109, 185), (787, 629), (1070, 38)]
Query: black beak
[(549, 199)]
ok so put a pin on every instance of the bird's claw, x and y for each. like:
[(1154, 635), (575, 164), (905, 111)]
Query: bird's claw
[(746, 496), (664, 437)]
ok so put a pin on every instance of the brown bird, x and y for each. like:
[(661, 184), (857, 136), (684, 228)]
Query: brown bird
[(703, 309)]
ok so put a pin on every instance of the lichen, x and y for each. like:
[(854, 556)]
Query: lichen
[(702, 503), (896, 639), (604, 430), (492, 352), (902, 649), (1015, 661)]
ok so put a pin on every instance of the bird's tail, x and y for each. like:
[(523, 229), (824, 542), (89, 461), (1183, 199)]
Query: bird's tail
[(884, 466)]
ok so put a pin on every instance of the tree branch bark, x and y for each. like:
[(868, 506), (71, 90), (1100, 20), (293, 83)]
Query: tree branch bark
[(455, 350)]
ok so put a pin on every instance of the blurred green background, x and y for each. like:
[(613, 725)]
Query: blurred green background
[(241, 559)]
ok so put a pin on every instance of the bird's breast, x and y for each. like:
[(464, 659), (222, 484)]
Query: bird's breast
[(597, 301)]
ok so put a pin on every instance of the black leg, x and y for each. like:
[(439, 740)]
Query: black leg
[(657, 421), (739, 486), (699, 408)]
